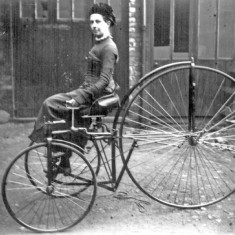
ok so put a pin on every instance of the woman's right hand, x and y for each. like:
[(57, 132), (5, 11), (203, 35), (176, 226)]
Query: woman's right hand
[(72, 102)]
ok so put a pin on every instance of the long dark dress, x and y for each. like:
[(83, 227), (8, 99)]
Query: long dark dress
[(98, 81)]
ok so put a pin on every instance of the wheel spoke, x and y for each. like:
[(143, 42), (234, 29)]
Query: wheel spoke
[(184, 148), (48, 207)]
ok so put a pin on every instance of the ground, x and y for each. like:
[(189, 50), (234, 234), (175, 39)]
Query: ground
[(113, 214)]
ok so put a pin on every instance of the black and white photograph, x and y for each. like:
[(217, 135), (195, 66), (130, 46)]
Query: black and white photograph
[(117, 117)]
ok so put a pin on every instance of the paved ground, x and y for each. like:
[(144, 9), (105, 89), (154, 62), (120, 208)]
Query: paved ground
[(114, 216)]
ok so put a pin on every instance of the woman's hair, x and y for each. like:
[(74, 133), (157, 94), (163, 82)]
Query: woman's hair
[(105, 10)]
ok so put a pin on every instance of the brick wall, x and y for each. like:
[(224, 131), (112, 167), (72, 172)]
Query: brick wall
[(135, 41)]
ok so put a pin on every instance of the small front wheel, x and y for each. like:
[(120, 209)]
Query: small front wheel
[(48, 204)]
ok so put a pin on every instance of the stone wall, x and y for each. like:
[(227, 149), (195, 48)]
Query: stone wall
[(135, 41)]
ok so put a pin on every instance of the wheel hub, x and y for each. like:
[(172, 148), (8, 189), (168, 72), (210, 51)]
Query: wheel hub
[(50, 189), (192, 141)]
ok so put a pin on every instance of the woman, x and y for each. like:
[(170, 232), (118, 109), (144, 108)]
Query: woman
[(101, 61)]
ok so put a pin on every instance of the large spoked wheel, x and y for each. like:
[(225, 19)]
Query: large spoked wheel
[(178, 129), (43, 201)]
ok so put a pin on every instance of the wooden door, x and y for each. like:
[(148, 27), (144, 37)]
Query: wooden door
[(51, 40), (215, 45), (170, 31), (181, 29)]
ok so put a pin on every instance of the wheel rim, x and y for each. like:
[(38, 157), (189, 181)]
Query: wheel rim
[(42, 207), (172, 163)]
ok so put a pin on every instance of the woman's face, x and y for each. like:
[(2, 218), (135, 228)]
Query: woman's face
[(99, 26)]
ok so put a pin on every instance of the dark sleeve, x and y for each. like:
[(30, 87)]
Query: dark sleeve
[(108, 60)]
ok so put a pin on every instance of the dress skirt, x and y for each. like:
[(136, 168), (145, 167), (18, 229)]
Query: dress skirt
[(54, 109)]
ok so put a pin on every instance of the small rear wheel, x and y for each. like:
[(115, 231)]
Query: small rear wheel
[(90, 152), (48, 204)]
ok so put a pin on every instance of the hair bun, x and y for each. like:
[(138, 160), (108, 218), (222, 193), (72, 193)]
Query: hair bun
[(105, 10)]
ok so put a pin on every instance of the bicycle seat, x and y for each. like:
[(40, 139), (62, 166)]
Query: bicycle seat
[(102, 106)]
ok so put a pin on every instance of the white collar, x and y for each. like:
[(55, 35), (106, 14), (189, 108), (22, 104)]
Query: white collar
[(103, 37)]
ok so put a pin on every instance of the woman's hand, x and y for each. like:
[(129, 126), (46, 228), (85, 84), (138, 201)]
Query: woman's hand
[(72, 102)]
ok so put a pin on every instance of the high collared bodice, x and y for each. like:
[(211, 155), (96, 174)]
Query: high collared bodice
[(100, 59)]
